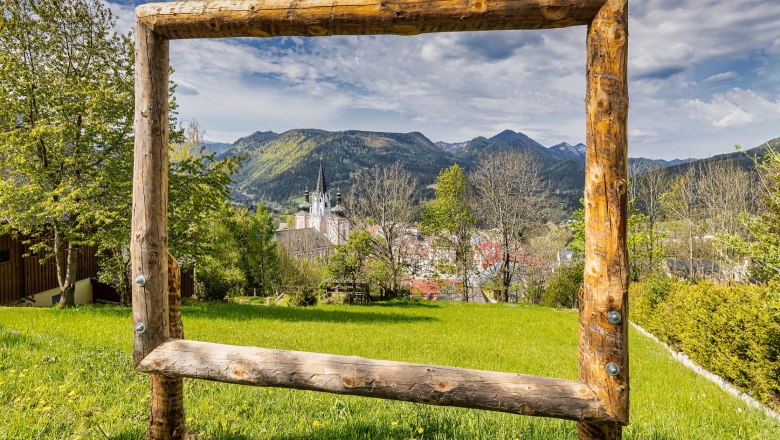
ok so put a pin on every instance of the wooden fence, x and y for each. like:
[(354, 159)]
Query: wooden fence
[(599, 400)]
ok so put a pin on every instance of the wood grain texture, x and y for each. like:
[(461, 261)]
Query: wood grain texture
[(429, 384), (166, 421), (269, 18), (606, 274), (149, 236)]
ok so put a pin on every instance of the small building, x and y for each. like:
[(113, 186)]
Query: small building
[(32, 279)]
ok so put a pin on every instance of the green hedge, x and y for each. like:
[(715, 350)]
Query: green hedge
[(733, 331)]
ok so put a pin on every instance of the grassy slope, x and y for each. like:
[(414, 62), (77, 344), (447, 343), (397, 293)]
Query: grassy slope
[(67, 374)]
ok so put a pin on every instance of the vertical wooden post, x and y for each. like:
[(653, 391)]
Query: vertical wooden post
[(603, 345), (167, 416), (149, 237)]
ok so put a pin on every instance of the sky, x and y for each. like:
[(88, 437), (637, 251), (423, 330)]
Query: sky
[(704, 76)]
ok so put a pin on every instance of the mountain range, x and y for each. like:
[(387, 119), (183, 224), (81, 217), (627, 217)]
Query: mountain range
[(279, 167)]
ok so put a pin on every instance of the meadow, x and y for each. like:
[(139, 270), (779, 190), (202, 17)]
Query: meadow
[(67, 374)]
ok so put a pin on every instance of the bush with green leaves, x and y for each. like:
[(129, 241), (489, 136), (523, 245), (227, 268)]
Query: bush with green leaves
[(564, 287), (304, 296), (733, 331)]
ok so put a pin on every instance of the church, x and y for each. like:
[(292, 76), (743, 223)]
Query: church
[(316, 212)]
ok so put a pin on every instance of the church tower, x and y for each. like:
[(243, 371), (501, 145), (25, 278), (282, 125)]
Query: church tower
[(320, 204), (317, 213), (338, 225), (302, 219)]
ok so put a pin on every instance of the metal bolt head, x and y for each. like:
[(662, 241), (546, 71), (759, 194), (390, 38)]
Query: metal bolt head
[(140, 280), (140, 328), (612, 369), (614, 317)]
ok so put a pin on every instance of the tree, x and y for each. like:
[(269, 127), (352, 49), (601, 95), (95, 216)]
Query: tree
[(511, 197), (349, 261), (384, 196), (682, 203), (198, 190), (66, 115), (564, 287), (648, 183), (725, 190), (763, 245), (449, 218), (295, 273), (220, 268), (259, 258)]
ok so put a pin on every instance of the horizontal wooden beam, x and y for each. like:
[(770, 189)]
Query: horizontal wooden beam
[(420, 383), (271, 18)]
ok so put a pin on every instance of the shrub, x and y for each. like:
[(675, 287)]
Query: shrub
[(732, 331), (304, 296), (220, 282), (564, 287), (646, 297)]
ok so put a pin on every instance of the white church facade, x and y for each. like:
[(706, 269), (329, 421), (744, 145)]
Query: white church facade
[(318, 213)]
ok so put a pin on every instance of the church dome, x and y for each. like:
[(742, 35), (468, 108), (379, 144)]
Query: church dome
[(338, 210)]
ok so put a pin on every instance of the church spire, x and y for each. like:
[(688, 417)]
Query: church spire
[(321, 186)]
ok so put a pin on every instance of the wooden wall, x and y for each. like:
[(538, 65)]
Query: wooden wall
[(11, 282), (26, 276)]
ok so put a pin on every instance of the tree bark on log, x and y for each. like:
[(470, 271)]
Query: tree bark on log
[(601, 342), (270, 18), (428, 384), (167, 415), (149, 237)]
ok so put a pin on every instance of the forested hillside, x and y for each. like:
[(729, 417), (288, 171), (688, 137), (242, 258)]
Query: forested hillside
[(280, 167)]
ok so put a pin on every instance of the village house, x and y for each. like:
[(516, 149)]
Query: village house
[(32, 280)]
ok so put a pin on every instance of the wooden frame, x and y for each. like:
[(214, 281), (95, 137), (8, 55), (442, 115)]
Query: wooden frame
[(599, 400)]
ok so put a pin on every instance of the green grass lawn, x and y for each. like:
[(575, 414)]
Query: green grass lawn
[(67, 374)]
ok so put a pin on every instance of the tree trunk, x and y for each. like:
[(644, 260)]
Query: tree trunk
[(465, 275), (506, 276), (67, 265), (167, 416), (690, 251)]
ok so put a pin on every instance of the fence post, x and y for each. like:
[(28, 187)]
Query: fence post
[(603, 332), (149, 237)]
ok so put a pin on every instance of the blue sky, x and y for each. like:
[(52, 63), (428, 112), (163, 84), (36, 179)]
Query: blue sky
[(704, 75)]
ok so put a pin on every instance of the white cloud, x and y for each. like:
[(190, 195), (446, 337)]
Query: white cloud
[(735, 108), (721, 77), (455, 86)]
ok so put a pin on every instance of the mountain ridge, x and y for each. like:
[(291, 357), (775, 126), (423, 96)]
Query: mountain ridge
[(279, 167)]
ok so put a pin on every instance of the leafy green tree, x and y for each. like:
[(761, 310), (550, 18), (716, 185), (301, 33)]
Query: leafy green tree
[(350, 261), (450, 219), (763, 248), (66, 115), (198, 191), (298, 272), (564, 287), (259, 257), (219, 269)]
